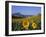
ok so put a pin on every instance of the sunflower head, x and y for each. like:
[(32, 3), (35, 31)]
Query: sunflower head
[(25, 24), (34, 25)]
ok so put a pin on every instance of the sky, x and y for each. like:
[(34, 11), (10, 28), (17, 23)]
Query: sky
[(26, 10)]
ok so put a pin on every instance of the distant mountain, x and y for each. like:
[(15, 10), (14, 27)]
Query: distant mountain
[(17, 14), (20, 15)]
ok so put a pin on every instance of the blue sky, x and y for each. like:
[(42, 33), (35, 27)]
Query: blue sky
[(26, 10)]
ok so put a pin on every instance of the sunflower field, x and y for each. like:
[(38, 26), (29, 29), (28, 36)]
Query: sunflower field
[(28, 23)]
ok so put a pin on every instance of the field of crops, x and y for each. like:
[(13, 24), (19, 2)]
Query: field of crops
[(28, 23)]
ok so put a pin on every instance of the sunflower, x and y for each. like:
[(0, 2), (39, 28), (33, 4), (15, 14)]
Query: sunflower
[(25, 24), (34, 25)]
